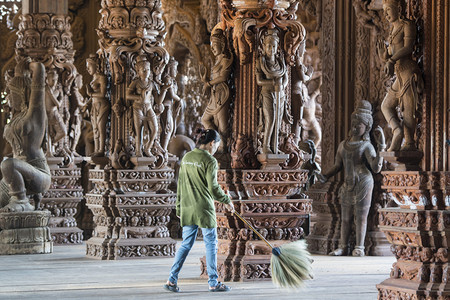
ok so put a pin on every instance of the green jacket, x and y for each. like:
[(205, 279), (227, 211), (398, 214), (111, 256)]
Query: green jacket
[(198, 188)]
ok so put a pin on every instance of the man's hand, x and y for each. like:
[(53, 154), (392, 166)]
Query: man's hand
[(230, 207)]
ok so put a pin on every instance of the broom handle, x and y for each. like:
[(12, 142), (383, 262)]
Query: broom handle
[(253, 229)]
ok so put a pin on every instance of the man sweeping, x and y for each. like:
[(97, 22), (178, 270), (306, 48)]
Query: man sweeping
[(197, 190)]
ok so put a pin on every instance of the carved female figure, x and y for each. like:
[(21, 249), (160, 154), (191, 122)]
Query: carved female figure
[(271, 75), (27, 171), (408, 83), (358, 158), (53, 100), (77, 104), (96, 90), (169, 115), (216, 115), (145, 111)]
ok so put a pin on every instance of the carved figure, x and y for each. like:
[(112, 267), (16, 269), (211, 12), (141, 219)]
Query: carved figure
[(96, 90), (53, 100), (145, 111), (170, 114), (367, 17), (77, 104), (271, 75), (357, 156), (216, 115), (404, 92), (27, 172), (300, 94), (311, 165)]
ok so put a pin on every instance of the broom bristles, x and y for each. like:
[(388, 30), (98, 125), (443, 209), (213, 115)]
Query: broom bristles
[(292, 266)]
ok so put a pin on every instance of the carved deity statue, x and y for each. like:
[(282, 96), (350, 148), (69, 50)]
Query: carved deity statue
[(307, 114), (216, 115), (96, 90), (53, 100), (272, 77), (142, 92), (358, 158), (404, 92), (27, 172), (77, 104), (172, 103)]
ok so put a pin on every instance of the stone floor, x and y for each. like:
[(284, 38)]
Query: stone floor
[(67, 274)]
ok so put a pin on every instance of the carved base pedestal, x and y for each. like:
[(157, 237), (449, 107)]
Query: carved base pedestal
[(62, 201), (419, 232), (97, 200), (420, 241), (25, 233), (132, 212), (377, 244), (403, 160), (272, 161), (266, 204), (324, 237)]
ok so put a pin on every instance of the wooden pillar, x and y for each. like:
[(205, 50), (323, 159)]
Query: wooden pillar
[(44, 35), (130, 199), (419, 229), (264, 188)]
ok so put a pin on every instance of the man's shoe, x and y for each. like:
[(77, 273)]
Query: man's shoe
[(220, 287), (172, 288)]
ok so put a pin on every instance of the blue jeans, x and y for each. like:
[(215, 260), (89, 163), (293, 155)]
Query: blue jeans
[(189, 236)]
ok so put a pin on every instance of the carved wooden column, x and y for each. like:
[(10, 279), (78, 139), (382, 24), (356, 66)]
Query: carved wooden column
[(44, 35), (370, 83), (419, 229), (130, 199), (264, 187), (337, 98)]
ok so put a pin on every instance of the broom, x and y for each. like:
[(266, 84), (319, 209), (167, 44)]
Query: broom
[(290, 264)]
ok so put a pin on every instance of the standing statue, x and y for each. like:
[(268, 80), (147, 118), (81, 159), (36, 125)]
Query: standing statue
[(27, 172), (77, 104), (96, 90), (358, 158), (272, 76), (53, 100), (141, 91), (216, 115), (404, 92), (170, 114)]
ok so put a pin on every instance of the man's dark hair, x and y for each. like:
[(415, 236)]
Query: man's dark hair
[(206, 136)]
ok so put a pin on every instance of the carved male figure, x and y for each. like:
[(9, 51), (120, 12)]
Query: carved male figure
[(216, 115), (271, 75), (404, 92), (96, 90), (170, 114), (53, 100), (358, 158), (27, 171), (145, 111)]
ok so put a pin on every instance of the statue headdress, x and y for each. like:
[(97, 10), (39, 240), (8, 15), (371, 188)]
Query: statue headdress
[(218, 35), (141, 60), (21, 82), (93, 58), (272, 34), (363, 113)]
